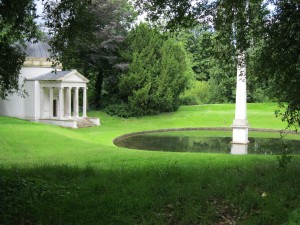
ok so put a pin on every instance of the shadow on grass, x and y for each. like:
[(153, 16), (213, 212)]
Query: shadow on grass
[(60, 194)]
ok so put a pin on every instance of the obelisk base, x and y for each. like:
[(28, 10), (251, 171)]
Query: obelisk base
[(240, 131), (239, 149), (239, 137)]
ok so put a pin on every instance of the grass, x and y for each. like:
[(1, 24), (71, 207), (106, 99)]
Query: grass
[(54, 175)]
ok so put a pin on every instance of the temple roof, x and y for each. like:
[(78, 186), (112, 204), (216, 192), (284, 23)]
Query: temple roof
[(38, 55), (58, 75), (68, 75), (37, 50)]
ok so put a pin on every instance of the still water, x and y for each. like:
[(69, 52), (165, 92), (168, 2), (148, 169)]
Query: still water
[(156, 142)]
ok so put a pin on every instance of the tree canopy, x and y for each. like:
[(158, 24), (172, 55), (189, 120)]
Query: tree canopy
[(271, 38), (85, 35), (16, 26), (278, 61), (159, 70)]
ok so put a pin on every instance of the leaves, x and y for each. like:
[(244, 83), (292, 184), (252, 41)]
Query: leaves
[(159, 71), (278, 61), (16, 26), (86, 35)]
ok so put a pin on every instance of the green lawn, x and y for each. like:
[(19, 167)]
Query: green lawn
[(54, 175)]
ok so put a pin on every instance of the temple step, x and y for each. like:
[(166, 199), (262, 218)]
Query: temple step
[(85, 123)]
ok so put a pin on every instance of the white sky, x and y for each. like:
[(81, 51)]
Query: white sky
[(39, 9)]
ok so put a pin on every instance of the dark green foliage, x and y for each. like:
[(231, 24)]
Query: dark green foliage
[(214, 61), (278, 63), (199, 42), (11, 60), (86, 34), (159, 71), (17, 20), (240, 23), (121, 110), (176, 13), (16, 26)]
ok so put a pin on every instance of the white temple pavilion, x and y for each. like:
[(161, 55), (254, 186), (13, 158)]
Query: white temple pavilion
[(53, 96)]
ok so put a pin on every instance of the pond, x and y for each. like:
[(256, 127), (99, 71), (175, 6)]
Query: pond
[(174, 142)]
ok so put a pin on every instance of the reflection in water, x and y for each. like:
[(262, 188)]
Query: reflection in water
[(239, 149), (156, 142)]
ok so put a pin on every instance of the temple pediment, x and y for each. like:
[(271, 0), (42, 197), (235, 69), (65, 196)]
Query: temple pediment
[(74, 76), (63, 76)]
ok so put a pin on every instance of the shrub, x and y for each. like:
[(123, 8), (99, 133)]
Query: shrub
[(158, 73), (121, 110), (125, 110), (196, 95)]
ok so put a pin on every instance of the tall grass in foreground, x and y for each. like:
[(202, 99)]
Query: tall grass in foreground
[(255, 193)]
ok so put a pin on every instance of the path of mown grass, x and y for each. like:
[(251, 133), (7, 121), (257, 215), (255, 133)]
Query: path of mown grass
[(53, 175)]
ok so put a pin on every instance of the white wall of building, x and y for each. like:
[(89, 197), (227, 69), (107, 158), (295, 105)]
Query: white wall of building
[(46, 101), (13, 106), (24, 106), (32, 101), (33, 72)]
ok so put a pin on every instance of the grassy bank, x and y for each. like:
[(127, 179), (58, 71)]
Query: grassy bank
[(53, 175)]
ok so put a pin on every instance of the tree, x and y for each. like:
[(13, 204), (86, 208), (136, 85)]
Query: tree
[(279, 61), (209, 63), (176, 13), (199, 42), (236, 27), (159, 70), (85, 35), (16, 26), (214, 54)]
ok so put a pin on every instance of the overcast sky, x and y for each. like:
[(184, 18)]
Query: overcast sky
[(39, 9)]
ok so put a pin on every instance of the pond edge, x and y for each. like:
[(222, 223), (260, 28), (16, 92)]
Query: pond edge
[(198, 128)]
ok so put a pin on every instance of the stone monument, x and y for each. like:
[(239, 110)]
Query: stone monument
[(240, 123)]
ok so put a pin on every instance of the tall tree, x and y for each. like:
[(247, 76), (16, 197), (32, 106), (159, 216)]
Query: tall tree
[(85, 35), (279, 61), (237, 26), (199, 42), (173, 14), (159, 70), (16, 26), (216, 46), (233, 19)]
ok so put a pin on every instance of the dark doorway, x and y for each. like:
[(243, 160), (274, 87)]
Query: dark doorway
[(54, 108)]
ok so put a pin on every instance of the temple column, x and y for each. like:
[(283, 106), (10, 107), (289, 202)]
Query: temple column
[(76, 102), (69, 96), (42, 92), (84, 103), (61, 102), (51, 102)]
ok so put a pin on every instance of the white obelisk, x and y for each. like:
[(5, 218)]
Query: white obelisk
[(240, 123)]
